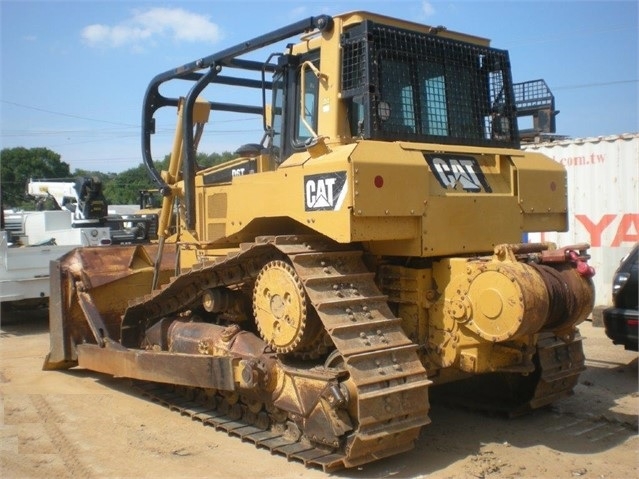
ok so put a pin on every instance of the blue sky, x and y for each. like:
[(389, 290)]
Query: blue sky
[(73, 74)]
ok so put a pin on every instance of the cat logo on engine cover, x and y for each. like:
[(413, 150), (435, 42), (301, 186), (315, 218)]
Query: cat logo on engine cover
[(453, 171), (325, 191)]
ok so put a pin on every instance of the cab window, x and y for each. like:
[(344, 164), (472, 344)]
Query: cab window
[(311, 87)]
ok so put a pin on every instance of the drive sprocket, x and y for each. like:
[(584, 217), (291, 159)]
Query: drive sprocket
[(280, 307)]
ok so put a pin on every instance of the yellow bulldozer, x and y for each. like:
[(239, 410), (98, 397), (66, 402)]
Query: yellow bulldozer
[(308, 294)]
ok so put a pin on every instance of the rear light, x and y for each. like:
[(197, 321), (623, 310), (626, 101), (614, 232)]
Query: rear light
[(105, 241), (633, 322)]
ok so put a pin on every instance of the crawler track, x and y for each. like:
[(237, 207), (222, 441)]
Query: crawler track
[(277, 440), (558, 366), (387, 380)]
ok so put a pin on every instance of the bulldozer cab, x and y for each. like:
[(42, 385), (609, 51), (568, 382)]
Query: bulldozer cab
[(392, 84), (352, 77)]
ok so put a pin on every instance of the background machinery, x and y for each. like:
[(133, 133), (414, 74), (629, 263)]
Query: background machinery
[(84, 198), (69, 213), (308, 294), (29, 240)]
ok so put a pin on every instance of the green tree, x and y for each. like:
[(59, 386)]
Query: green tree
[(205, 160), (18, 165), (124, 188), (103, 177)]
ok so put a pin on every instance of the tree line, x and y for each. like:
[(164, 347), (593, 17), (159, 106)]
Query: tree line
[(18, 165)]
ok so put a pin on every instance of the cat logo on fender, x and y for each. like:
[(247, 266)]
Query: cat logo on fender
[(325, 192), (452, 171)]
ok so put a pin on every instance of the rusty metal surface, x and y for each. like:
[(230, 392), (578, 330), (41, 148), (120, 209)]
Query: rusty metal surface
[(195, 370), (61, 353), (375, 374), (571, 296), (98, 266), (214, 413), (388, 383), (94, 318), (559, 365), (91, 288)]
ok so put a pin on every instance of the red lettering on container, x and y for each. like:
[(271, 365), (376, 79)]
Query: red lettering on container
[(595, 229), (592, 159), (628, 230)]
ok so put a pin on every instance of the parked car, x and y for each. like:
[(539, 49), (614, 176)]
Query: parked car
[(622, 320)]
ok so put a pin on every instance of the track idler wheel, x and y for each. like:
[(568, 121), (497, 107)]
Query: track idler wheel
[(282, 311)]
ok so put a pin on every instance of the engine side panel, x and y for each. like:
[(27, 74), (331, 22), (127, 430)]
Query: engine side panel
[(418, 200)]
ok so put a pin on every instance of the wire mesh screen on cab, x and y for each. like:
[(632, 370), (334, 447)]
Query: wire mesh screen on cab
[(411, 86)]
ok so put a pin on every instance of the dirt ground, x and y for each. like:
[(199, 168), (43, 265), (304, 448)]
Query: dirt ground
[(78, 424)]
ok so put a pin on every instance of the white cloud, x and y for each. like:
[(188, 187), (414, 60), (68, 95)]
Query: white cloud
[(145, 26), (298, 13), (428, 9)]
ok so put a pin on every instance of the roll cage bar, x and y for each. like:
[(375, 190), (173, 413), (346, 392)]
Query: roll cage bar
[(153, 100)]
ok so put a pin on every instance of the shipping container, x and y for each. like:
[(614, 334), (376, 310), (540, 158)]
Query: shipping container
[(603, 200)]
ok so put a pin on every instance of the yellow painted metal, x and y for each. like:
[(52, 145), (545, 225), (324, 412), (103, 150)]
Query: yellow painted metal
[(388, 181), (172, 176), (393, 199), (474, 315), (500, 301), (188, 249), (257, 203), (412, 289), (490, 309), (332, 112), (279, 305), (356, 17), (394, 203), (542, 192)]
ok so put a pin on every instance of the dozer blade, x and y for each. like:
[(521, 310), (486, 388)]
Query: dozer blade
[(90, 290)]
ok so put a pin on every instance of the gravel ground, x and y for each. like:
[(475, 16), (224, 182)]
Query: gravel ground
[(81, 424)]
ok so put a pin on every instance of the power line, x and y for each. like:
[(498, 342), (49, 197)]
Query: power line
[(590, 85), (79, 117), (69, 115)]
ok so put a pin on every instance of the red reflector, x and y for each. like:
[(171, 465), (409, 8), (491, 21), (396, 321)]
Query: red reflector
[(379, 181), (105, 241), (633, 322)]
